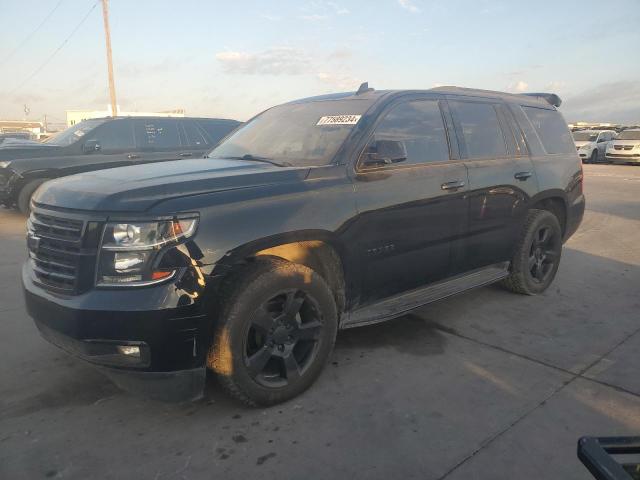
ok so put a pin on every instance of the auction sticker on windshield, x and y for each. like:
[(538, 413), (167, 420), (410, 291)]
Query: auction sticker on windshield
[(339, 120)]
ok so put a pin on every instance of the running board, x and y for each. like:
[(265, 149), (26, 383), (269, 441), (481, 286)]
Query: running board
[(403, 303)]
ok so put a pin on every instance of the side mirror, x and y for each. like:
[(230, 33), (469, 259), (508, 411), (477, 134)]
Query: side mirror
[(385, 152), (602, 140), (91, 146)]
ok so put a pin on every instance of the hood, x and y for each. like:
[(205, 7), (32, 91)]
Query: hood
[(13, 148), (138, 188), (580, 143)]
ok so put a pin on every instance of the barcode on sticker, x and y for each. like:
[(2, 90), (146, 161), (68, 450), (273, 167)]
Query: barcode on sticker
[(339, 120)]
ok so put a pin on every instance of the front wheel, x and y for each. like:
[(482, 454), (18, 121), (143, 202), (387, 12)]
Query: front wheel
[(24, 197), (275, 331), (537, 254), (594, 157)]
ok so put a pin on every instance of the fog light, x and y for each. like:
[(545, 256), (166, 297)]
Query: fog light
[(129, 350)]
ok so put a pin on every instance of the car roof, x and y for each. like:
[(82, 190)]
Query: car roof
[(158, 118), (372, 94)]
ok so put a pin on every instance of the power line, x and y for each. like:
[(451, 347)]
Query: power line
[(28, 37), (53, 54)]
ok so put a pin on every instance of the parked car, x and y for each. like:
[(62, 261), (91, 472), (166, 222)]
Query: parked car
[(592, 144), (625, 148), (102, 143), (317, 215)]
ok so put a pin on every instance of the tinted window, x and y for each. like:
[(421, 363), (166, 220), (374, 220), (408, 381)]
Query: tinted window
[(116, 135), (419, 126), (217, 129), (552, 130), (157, 133), (480, 129), (194, 137)]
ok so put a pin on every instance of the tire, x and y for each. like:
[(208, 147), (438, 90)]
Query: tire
[(24, 197), (276, 328), (594, 157), (537, 254)]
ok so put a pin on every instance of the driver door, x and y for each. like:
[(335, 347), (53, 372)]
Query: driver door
[(412, 210)]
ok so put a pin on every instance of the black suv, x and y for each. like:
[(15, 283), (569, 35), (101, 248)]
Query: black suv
[(317, 215), (102, 143)]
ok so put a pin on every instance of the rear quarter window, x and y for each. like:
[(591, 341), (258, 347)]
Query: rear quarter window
[(551, 129)]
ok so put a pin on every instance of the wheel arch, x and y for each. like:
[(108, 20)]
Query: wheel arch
[(556, 202), (317, 249)]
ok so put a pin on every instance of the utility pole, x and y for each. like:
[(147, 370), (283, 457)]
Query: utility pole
[(107, 35)]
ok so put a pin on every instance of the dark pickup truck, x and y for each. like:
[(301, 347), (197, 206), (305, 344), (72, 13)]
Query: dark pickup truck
[(102, 143), (317, 215)]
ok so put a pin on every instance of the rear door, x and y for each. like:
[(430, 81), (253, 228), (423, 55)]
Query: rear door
[(412, 211), (157, 140), (501, 180), (194, 141)]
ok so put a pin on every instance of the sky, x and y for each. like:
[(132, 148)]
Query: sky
[(234, 59)]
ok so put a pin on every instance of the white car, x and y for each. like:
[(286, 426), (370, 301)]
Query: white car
[(592, 144), (625, 148)]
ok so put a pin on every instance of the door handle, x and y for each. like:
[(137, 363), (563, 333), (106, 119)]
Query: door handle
[(186, 154), (522, 176), (132, 156), (455, 185)]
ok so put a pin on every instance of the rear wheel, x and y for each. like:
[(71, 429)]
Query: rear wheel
[(275, 332), (537, 255), (24, 197)]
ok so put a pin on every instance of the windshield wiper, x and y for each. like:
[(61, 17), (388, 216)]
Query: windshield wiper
[(255, 158)]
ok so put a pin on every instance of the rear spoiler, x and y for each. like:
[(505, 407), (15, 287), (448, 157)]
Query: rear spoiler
[(551, 98)]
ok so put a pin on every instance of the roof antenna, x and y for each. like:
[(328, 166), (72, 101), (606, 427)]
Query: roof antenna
[(364, 88)]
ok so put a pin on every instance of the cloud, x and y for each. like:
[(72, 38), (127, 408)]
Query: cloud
[(273, 61), (327, 68), (271, 17), (341, 53), (343, 81), (337, 9), (617, 102), (408, 5), (315, 17), (519, 86)]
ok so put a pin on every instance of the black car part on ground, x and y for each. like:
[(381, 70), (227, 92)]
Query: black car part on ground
[(596, 453)]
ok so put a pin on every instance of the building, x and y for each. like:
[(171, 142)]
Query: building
[(34, 130), (77, 116)]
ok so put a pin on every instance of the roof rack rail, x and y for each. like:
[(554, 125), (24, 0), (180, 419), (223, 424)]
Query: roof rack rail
[(551, 98), (364, 88)]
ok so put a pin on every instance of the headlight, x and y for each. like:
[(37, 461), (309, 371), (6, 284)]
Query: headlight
[(5, 164), (129, 251)]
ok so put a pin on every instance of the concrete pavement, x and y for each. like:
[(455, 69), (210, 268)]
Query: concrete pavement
[(485, 385)]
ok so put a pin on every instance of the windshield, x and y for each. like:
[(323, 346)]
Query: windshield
[(301, 134), (75, 133), (585, 136), (629, 135)]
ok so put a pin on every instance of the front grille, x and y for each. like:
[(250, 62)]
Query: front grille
[(623, 147), (57, 252)]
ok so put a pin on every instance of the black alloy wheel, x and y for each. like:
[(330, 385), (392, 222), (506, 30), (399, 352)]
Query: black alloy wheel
[(282, 339), (536, 255), (543, 254), (274, 332)]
